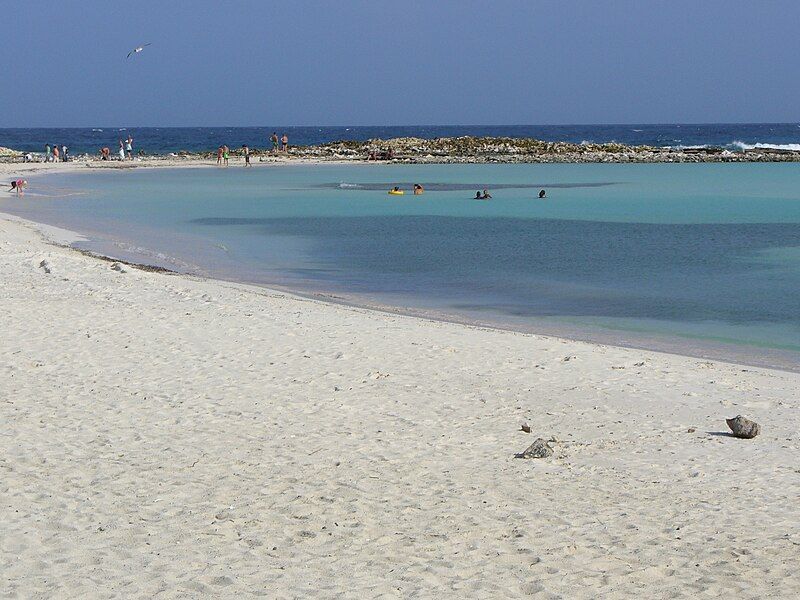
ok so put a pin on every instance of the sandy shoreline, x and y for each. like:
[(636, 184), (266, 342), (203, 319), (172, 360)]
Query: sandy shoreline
[(175, 436)]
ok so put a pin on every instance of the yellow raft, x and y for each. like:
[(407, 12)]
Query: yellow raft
[(396, 192)]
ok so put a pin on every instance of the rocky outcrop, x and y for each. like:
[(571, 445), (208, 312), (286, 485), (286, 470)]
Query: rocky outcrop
[(9, 153), (523, 150), (467, 149)]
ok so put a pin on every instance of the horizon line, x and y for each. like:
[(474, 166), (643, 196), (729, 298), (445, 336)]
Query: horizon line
[(410, 125)]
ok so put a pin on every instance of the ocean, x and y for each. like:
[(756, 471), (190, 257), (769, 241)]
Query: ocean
[(162, 140), (702, 259)]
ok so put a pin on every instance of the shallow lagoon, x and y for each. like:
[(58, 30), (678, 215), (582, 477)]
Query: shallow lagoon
[(685, 257)]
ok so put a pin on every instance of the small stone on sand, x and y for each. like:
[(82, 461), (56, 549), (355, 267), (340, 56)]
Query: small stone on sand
[(538, 449), (743, 428)]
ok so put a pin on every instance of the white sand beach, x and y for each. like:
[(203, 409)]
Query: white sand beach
[(175, 437)]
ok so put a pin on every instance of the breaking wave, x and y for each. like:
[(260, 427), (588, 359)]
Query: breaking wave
[(743, 146)]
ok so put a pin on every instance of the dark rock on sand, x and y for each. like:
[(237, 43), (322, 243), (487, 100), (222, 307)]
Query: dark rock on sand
[(743, 428), (538, 449)]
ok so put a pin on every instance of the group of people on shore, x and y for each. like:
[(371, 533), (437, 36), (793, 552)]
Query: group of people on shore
[(278, 145), (125, 150), (224, 155), (382, 155), (281, 144), (56, 153)]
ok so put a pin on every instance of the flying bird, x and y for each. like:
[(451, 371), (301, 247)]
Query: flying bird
[(136, 50)]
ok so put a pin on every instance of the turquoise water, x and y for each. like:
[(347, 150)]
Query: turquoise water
[(702, 255)]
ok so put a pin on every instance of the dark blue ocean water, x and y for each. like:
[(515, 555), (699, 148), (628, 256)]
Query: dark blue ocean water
[(158, 140)]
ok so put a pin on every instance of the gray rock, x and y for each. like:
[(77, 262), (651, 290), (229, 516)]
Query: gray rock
[(743, 428), (538, 449), (44, 265), (526, 428)]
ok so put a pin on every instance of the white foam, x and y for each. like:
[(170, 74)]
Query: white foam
[(758, 145)]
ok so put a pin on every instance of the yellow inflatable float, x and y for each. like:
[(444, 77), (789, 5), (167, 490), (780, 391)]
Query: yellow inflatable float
[(396, 192)]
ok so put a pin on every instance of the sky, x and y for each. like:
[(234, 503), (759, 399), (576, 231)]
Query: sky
[(377, 62)]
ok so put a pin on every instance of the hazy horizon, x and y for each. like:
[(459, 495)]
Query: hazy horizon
[(399, 125)]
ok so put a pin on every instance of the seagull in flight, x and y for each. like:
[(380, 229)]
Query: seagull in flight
[(137, 50)]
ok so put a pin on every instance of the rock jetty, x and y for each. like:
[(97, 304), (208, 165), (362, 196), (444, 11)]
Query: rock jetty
[(468, 149), (526, 150)]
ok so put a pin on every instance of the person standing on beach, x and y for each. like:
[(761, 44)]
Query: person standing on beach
[(129, 147), (274, 139), (225, 153), (64, 153), (219, 156), (121, 150), (47, 153), (285, 143), (55, 152), (246, 152)]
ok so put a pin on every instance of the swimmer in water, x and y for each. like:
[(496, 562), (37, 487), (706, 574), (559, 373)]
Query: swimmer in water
[(418, 189), (486, 195), (542, 194)]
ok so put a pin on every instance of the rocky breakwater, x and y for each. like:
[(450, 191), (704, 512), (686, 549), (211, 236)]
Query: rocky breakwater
[(8, 153), (524, 150)]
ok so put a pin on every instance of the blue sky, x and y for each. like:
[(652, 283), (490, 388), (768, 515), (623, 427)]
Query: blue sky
[(379, 62)]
